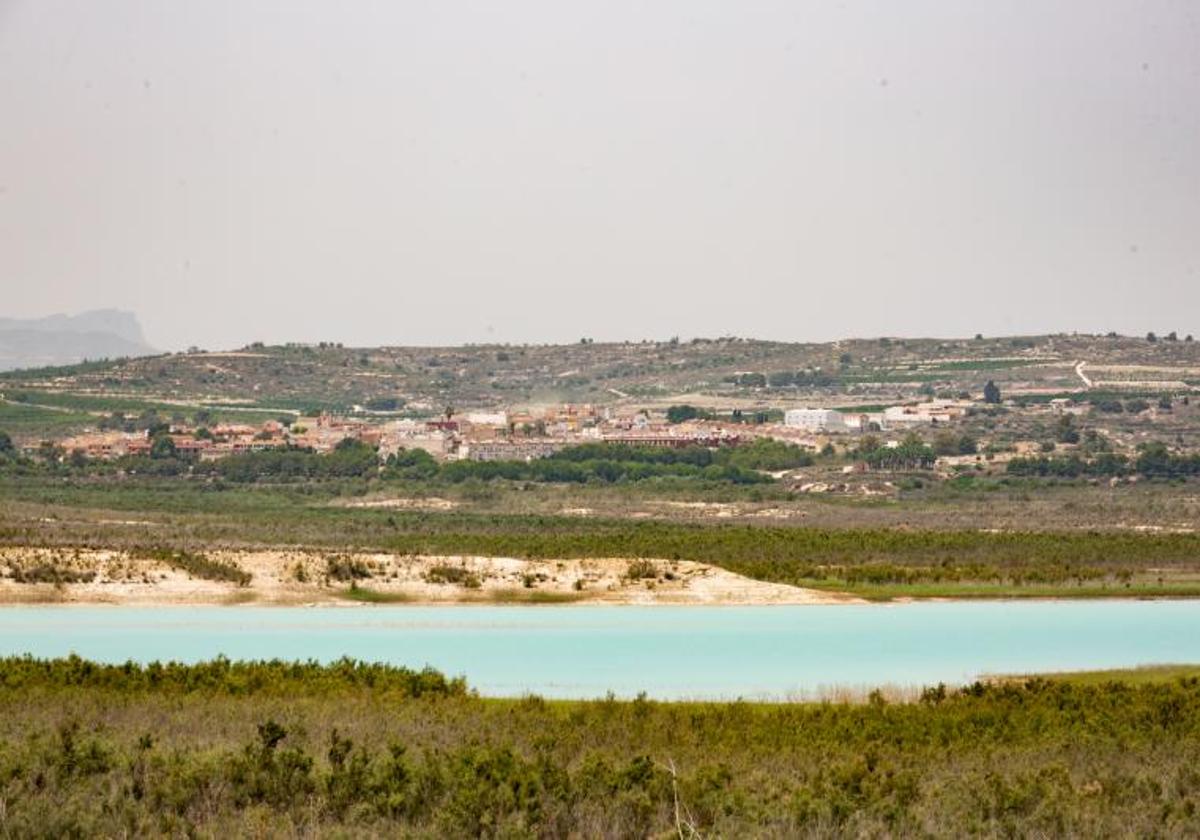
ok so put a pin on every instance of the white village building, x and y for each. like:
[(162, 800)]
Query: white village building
[(815, 419)]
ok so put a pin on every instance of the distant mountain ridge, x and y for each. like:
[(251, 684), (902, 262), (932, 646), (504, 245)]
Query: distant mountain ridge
[(68, 339)]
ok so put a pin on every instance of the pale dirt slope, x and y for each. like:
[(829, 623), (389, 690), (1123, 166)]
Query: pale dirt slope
[(302, 577)]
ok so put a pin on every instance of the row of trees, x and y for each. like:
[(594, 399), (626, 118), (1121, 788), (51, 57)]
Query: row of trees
[(677, 414), (912, 453), (589, 462), (1071, 466), (1133, 406), (782, 379), (350, 459), (1154, 460), (1171, 336), (553, 470), (609, 463), (761, 454)]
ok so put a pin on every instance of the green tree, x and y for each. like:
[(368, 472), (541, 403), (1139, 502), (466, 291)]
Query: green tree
[(163, 447), (6, 444), (412, 463), (868, 443), (1154, 459), (1067, 433), (991, 393), (1094, 442), (912, 453), (682, 413), (151, 423)]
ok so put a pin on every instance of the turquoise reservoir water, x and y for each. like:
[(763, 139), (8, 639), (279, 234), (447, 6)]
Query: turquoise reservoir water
[(668, 652)]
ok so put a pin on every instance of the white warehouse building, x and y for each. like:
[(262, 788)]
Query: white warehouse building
[(815, 419)]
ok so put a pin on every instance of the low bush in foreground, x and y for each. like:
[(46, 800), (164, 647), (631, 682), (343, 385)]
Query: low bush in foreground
[(275, 749), (222, 676)]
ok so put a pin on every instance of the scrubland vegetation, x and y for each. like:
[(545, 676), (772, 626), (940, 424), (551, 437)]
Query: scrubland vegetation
[(274, 749), (878, 558)]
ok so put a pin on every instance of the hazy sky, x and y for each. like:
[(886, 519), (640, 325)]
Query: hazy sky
[(442, 172)]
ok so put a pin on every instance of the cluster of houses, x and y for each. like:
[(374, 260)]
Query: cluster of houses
[(527, 434), (507, 435), (320, 434), (478, 436)]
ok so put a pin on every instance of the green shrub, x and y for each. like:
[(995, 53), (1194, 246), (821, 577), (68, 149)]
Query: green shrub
[(197, 565)]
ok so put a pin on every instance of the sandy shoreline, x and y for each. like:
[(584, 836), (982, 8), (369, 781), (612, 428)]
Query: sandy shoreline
[(299, 577)]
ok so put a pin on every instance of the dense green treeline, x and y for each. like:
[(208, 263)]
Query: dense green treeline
[(598, 462), (307, 749), (912, 453), (760, 454), (613, 463), (1105, 465), (558, 471), (607, 463), (1153, 461), (350, 459)]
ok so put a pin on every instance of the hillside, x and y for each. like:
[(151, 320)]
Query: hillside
[(728, 371)]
